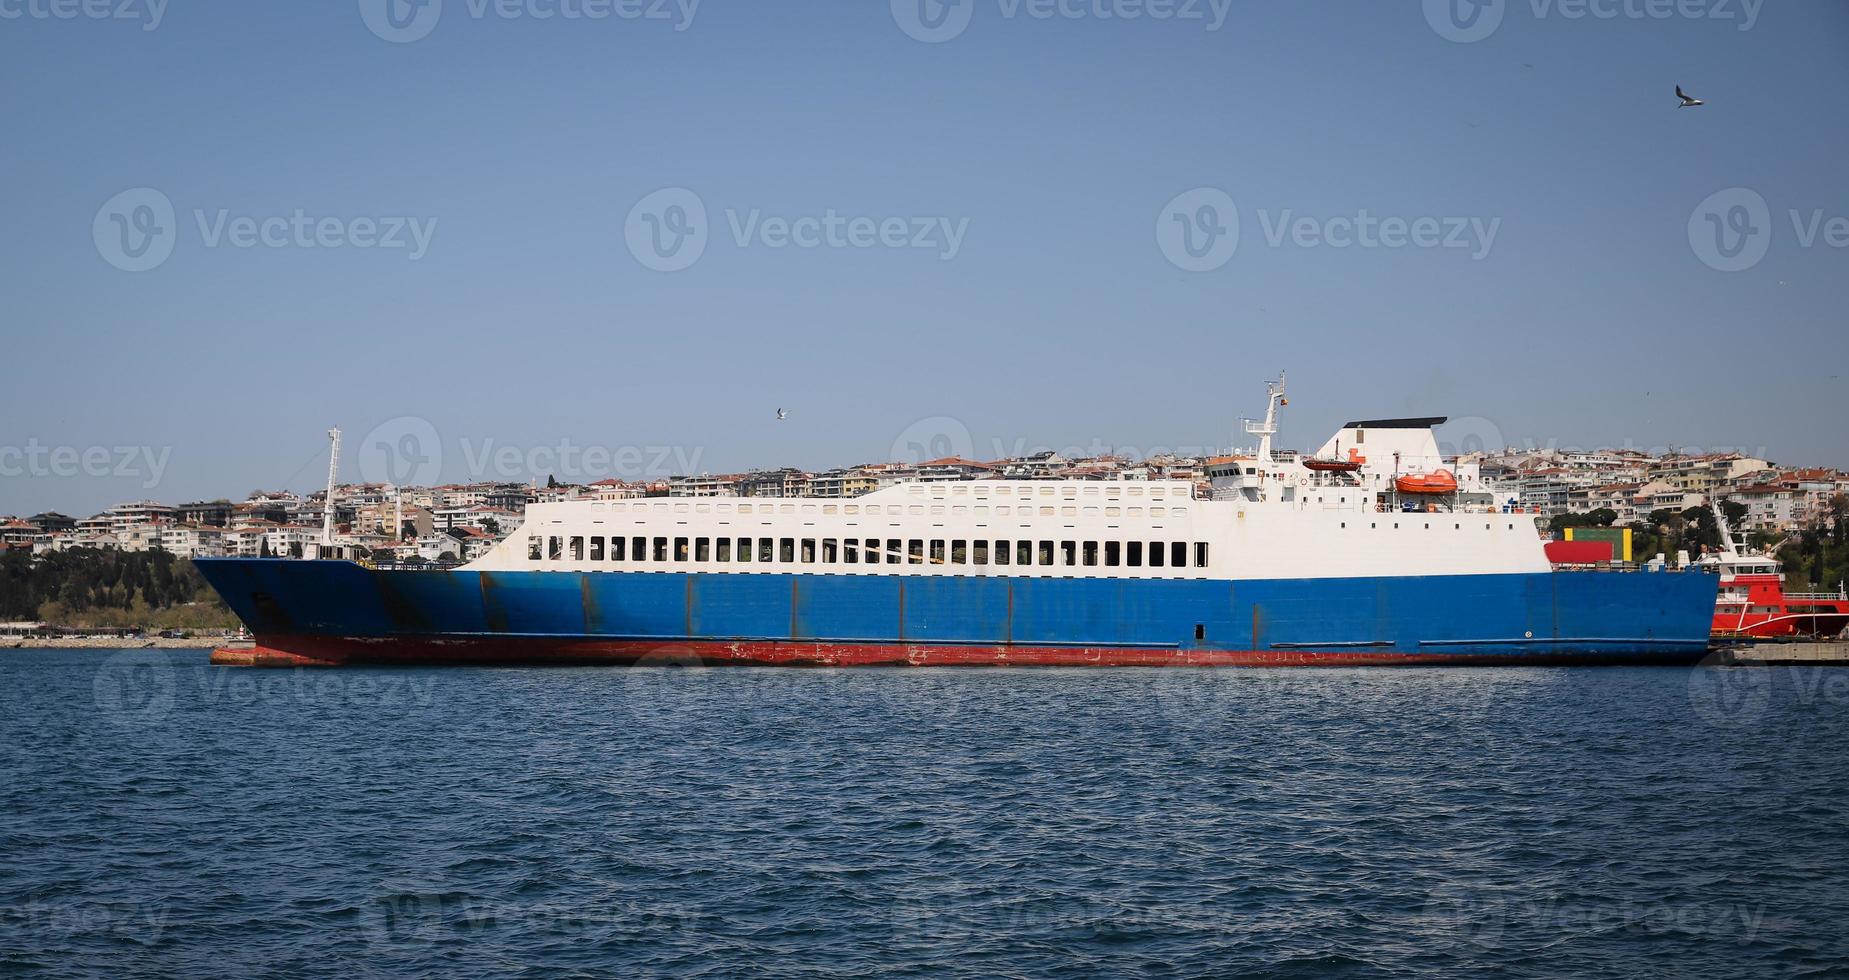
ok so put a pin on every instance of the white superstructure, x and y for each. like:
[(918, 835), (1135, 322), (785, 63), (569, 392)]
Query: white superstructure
[(1264, 517)]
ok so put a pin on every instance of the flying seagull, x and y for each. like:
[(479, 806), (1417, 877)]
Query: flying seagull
[(1688, 101), (781, 415)]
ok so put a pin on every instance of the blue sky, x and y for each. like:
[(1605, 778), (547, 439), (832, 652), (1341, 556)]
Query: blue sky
[(1048, 150)]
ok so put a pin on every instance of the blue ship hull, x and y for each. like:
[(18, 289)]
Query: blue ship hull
[(334, 612)]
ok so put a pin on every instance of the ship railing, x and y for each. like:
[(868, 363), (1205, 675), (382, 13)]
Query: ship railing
[(1837, 596), (1603, 566)]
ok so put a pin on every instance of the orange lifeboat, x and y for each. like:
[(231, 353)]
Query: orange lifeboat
[(1441, 482)]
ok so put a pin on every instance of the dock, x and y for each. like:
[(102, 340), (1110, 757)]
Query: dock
[(1814, 654)]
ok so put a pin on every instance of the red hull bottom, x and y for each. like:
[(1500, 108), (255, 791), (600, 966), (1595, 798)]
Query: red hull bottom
[(314, 651)]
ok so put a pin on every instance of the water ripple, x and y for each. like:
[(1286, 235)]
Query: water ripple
[(160, 816)]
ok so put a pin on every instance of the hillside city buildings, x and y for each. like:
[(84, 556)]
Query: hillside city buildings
[(459, 522)]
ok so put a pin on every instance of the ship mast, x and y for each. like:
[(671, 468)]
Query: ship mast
[(1274, 397), (327, 503), (1720, 520)]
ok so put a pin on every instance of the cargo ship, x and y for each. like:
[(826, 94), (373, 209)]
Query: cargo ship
[(1268, 562)]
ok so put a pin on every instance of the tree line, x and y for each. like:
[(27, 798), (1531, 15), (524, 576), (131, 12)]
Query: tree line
[(108, 587)]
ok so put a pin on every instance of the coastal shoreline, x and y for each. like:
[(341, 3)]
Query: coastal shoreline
[(113, 643)]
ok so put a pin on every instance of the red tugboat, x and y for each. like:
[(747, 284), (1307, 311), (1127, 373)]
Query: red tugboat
[(1753, 601)]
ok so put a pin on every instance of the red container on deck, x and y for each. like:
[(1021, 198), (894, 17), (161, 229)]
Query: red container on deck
[(1579, 552)]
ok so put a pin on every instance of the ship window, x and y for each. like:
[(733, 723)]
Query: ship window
[(1200, 554), (661, 549), (850, 551), (638, 549), (597, 548), (895, 550), (914, 554), (724, 552), (702, 549), (555, 548), (1133, 554), (533, 546), (1068, 553), (959, 552), (808, 551), (577, 547), (1113, 554), (767, 549), (937, 552), (1002, 552), (744, 550), (1046, 552), (1200, 631), (1024, 553), (1156, 554), (1091, 552), (1178, 555), (786, 550), (680, 549), (831, 551)]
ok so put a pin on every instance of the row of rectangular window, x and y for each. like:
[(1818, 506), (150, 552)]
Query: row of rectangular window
[(890, 551)]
